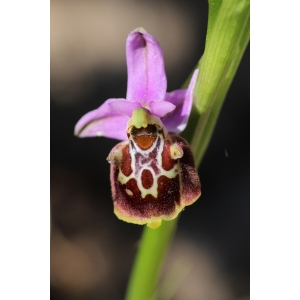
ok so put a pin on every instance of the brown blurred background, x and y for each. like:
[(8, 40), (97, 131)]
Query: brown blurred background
[(91, 250)]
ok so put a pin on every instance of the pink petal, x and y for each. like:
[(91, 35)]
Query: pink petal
[(145, 64), (103, 121), (162, 108), (176, 97), (177, 120), (124, 107)]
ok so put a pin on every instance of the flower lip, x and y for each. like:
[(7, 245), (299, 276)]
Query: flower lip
[(154, 187)]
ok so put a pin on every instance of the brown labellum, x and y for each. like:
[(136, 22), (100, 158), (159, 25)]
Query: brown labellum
[(153, 176)]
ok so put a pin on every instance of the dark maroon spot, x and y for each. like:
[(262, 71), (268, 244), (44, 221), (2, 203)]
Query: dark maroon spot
[(167, 161), (147, 179), (126, 161)]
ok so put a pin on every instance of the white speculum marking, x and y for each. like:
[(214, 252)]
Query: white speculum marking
[(138, 166)]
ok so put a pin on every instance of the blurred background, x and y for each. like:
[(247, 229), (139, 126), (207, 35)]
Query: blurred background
[(91, 250)]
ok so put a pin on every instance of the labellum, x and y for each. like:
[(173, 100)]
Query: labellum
[(153, 176)]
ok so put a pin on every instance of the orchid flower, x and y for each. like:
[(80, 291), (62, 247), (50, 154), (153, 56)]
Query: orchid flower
[(153, 176)]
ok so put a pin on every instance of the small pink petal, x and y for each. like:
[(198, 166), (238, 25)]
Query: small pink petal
[(162, 108)]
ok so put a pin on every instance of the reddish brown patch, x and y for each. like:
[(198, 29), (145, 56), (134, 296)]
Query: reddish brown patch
[(167, 161), (145, 141), (147, 179), (144, 136), (126, 161)]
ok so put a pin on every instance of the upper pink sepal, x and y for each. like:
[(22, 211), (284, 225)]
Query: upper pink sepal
[(124, 107), (145, 66)]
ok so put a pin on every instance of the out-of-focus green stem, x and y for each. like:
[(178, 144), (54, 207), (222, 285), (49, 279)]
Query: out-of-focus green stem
[(227, 38)]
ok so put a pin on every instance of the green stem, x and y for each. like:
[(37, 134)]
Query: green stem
[(152, 250)]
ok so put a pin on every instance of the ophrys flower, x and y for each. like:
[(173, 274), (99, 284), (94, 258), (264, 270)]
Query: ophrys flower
[(153, 176)]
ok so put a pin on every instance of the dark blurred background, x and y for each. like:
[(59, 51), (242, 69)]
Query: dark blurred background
[(91, 250)]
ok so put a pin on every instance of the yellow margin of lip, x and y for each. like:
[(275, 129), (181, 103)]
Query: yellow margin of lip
[(154, 225)]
